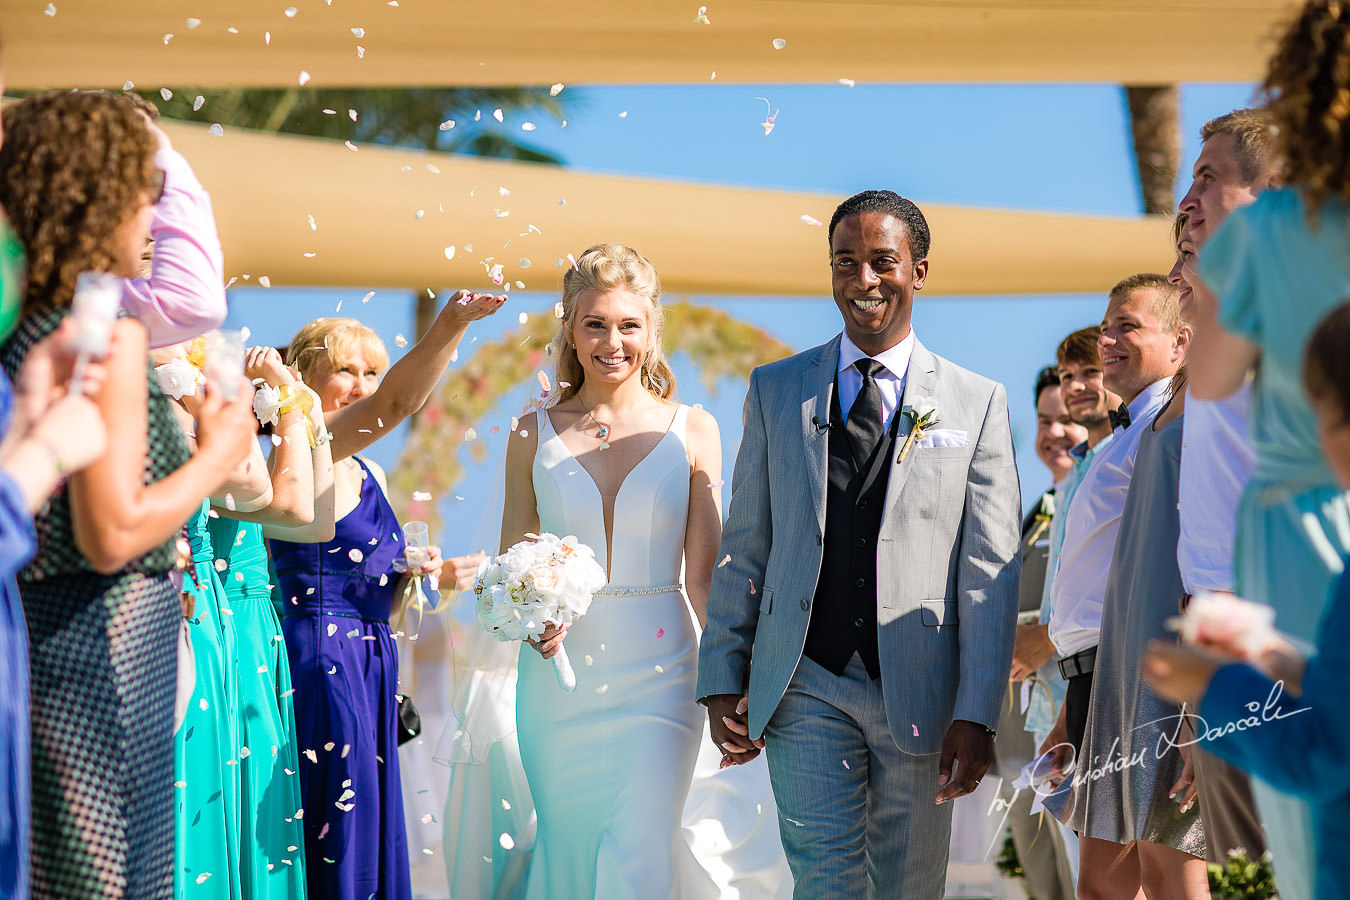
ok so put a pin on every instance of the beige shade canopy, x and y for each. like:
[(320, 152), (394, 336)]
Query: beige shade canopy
[(375, 224), (153, 43)]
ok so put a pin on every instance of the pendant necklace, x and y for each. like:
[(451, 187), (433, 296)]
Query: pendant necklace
[(603, 433)]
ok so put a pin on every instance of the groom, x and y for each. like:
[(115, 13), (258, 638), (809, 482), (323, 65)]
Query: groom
[(868, 603)]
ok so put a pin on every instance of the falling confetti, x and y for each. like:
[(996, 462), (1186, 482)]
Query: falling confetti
[(355, 555), (768, 122), (527, 126), (313, 226), (201, 879), (166, 94), (558, 310), (127, 85), (624, 114), (350, 146), (496, 276), (507, 842), (193, 23), (332, 629), (291, 11), (916, 729), (447, 125), (506, 804), (264, 281), (216, 130), (779, 43), (524, 262), (470, 434), (50, 10), (543, 377), (267, 38), (198, 102), (660, 632), (726, 559), (450, 252), (421, 496), (847, 82), (167, 38), (358, 32), (555, 89), (752, 586), (846, 765), (366, 298), (602, 688), (400, 340), (702, 17), (811, 220)]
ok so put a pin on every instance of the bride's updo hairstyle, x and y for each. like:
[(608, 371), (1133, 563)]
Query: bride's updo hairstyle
[(333, 341), (606, 267)]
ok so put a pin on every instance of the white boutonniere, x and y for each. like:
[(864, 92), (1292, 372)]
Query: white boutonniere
[(923, 416), (178, 378), (267, 404)]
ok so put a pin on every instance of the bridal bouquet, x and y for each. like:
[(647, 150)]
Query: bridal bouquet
[(542, 581)]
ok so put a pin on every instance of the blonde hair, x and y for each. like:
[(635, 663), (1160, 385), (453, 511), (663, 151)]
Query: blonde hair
[(606, 267), (334, 341)]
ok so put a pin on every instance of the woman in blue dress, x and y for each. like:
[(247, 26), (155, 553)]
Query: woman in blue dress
[(337, 598)]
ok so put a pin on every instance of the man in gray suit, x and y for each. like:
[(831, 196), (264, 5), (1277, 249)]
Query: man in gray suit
[(868, 606)]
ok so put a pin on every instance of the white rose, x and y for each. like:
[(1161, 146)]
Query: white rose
[(178, 378), (267, 404)]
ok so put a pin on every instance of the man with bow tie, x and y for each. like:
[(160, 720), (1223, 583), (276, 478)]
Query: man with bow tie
[(869, 593), (1143, 343)]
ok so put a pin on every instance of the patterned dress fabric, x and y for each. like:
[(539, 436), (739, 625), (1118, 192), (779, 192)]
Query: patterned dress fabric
[(337, 598), (206, 747), (271, 855), (16, 547), (103, 657)]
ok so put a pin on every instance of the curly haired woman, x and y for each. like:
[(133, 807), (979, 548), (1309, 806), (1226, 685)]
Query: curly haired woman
[(1277, 267), (79, 183)]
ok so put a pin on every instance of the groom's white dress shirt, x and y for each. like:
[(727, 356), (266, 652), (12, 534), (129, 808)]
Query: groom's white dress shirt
[(890, 380), (1090, 531)]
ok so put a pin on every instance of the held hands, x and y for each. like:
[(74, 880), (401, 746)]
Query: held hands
[(1060, 751), (971, 748), (731, 730), (550, 641), (460, 572)]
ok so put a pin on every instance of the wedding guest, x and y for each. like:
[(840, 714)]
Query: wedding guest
[(1038, 839), (77, 176), (1237, 162), (34, 420), (183, 295), (1276, 268), (272, 859), (338, 596), (1143, 344), (1300, 740), (237, 808)]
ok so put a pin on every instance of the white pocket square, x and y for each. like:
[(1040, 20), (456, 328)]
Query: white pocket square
[(943, 437)]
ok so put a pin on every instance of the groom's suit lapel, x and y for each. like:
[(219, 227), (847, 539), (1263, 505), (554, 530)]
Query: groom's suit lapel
[(920, 384), (817, 392)]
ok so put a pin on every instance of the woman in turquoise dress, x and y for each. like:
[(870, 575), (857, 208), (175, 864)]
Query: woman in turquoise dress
[(206, 745), (1277, 268), (237, 748), (272, 857)]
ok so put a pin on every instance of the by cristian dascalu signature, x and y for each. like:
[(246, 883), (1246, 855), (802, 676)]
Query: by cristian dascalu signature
[(1260, 713)]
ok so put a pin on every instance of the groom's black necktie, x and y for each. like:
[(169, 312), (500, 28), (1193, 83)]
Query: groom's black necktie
[(866, 419)]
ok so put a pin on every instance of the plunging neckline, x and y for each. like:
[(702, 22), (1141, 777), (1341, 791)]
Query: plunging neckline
[(606, 522)]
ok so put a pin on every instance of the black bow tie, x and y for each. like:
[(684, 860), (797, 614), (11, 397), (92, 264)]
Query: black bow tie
[(1119, 417)]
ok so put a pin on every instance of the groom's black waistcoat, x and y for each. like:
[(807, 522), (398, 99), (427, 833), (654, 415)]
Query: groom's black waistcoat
[(845, 616)]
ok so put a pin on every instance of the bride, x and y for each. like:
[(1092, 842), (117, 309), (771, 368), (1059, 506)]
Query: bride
[(634, 475)]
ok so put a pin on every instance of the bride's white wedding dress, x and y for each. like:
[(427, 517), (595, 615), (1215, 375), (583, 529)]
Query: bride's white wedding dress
[(609, 766)]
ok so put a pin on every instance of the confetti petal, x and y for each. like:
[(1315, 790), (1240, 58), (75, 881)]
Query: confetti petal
[(197, 103), (216, 130), (555, 89), (811, 220), (779, 43), (507, 842), (400, 341)]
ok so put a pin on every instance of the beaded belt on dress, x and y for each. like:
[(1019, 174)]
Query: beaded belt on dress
[(615, 590)]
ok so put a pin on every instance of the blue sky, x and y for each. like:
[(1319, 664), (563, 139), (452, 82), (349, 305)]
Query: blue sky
[(1054, 147)]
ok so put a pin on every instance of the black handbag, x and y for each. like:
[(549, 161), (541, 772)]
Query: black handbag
[(409, 720)]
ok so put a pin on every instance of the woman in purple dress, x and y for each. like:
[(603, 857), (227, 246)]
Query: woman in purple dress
[(338, 597)]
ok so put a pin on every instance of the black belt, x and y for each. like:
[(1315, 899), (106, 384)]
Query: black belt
[(1081, 663)]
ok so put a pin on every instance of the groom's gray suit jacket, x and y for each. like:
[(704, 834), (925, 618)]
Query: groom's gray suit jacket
[(947, 555)]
